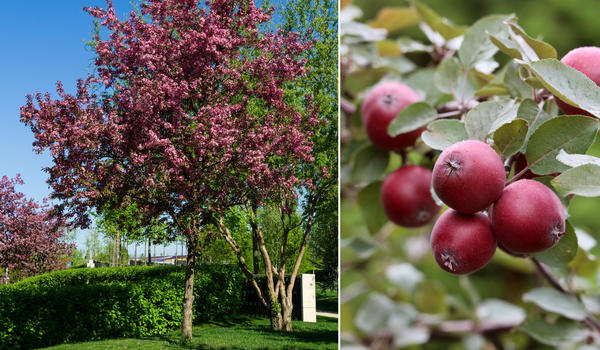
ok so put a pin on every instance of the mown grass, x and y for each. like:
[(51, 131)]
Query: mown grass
[(235, 334)]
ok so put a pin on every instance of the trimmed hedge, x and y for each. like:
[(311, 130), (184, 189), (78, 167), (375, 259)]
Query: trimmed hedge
[(88, 304)]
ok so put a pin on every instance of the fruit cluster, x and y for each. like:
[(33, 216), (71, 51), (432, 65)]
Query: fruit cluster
[(522, 218)]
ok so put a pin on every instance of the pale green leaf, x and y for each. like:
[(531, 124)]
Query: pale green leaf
[(509, 138), (476, 45), (583, 181), (569, 84), (443, 133), (575, 160), (560, 333), (370, 205), (411, 118), (574, 134), (395, 18), (555, 301), (438, 23), (562, 252), (488, 116), (369, 164), (542, 49)]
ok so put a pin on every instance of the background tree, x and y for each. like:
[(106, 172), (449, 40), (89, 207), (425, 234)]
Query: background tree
[(170, 119), (32, 241)]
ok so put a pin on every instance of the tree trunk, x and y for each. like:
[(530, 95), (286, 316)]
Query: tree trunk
[(255, 256), (135, 252), (145, 248), (149, 251), (6, 278), (176, 251), (188, 299)]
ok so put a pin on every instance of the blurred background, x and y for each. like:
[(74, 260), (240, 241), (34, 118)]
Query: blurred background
[(379, 258)]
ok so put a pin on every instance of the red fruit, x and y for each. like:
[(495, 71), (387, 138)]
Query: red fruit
[(406, 198), (381, 105), (528, 218), (469, 176), (462, 243), (586, 60)]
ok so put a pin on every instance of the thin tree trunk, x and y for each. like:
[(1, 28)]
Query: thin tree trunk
[(135, 252), (145, 249), (6, 277), (176, 251), (255, 256), (149, 251), (188, 298)]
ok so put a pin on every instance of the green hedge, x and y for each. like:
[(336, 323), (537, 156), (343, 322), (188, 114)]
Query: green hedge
[(88, 304)]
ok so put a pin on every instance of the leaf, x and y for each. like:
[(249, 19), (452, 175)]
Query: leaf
[(530, 112), (395, 18), (438, 23), (364, 247), (387, 48), (420, 81), (518, 88), (583, 181), (554, 301), (570, 85), (488, 116), (411, 118), (509, 138), (492, 89), (506, 45), (542, 49), (476, 45), (407, 45), (360, 32), (430, 298), (562, 252), (499, 312), (370, 206), (556, 334), (404, 275), (449, 75), (369, 164), (373, 315), (573, 133), (575, 160), (443, 133)]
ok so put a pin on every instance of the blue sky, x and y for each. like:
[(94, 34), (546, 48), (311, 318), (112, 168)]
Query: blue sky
[(42, 42)]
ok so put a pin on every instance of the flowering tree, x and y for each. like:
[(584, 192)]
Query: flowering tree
[(186, 116), (31, 240)]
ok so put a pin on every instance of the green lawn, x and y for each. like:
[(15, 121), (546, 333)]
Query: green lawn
[(242, 333), (327, 300)]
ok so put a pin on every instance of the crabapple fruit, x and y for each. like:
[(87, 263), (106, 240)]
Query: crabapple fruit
[(406, 198), (381, 105), (462, 243), (528, 217), (469, 176), (584, 59)]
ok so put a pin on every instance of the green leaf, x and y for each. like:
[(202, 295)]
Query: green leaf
[(529, 111), (506, 45), (411, 118), (420, 81), (552, 300), (407, 44), (404, 275), (492, 89), (369, 164), (430, 297), (364, 247), (443, 133), (555, 334), (438, 23), (499, 312), (370, 205), (575, 160), (373, 315), (450, 77), (476, 45), (512, 79), (542, 49), (562, 252), (583, 181), (488, 116), (509, 138), (395, 18), (569, 84), (572, 133)]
